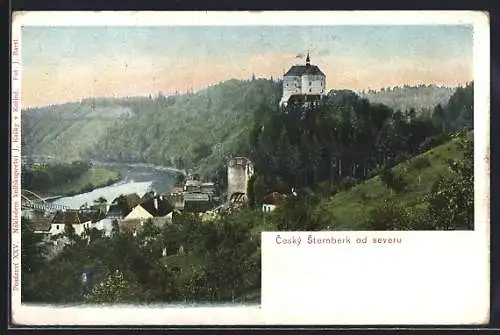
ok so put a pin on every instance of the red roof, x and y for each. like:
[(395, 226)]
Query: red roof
[(274, 198)]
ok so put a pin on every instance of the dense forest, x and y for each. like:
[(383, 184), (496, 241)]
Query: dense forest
[(353, 164), (422, 98), (197, 130), (210, 262), (347, 138)]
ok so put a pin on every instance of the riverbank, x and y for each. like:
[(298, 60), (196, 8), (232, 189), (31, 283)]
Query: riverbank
[(93, 178)]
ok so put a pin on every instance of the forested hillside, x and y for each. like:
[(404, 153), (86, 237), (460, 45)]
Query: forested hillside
[(422, 98), (67, 131), (186, 131), (348, 139), (190, 130)]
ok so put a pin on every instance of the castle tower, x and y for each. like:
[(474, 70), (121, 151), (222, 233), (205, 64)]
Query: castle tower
[(239, 171), (303, 84)]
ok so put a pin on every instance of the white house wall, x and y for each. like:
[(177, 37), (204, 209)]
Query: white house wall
[(305, 85), (313, 84), (58, 228), (292, 85), (267, 208)]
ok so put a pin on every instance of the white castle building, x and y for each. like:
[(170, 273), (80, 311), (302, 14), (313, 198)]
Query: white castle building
[(303, 84)]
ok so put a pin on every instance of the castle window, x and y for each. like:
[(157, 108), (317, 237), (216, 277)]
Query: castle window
[(310, 83), (57, 227), (310, 90)]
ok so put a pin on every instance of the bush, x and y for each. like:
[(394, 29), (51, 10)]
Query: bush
[(392, 180), (365, 196), (420, 163), (347, 183), (420, 219), (433, 141), (402, 158), (389, 216)]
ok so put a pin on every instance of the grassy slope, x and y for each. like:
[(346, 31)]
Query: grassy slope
[(97, 176), (349, 210)]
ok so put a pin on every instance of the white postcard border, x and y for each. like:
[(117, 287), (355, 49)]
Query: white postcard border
[(15, 182), (131, 315)]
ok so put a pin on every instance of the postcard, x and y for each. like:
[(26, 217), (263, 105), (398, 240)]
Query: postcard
[(250, 168)]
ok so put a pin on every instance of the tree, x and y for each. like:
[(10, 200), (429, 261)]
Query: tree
[(115, 288), (451, 200), (122, 203), (32, 248), (392, 180), (181, 179), (258, 190), (439, 117), (101, 200), (69, 232), (419, 163), (115, 230), (389, 215)]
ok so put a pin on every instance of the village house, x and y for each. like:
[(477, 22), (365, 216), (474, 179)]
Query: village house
[(177, 189), (177, 200), (115, 212), (208, 187), (192, 185), (272, 201), (41, 225), (158, 209), (197, 202), (99, 221), (79, 221), (118, 209)]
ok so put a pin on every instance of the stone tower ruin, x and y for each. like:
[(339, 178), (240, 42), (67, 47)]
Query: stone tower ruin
[(239, 171)]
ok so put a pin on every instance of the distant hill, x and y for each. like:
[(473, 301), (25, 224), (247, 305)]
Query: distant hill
[(421, 97), (190, 130), (69, 130), (177, 130), (196, 130)]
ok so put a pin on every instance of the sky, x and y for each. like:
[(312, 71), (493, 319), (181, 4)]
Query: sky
[(62, 64)]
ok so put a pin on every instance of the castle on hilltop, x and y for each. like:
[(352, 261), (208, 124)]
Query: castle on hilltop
[(303, 84)]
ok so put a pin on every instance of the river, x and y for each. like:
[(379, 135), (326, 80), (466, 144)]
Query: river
[(136, 178)]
